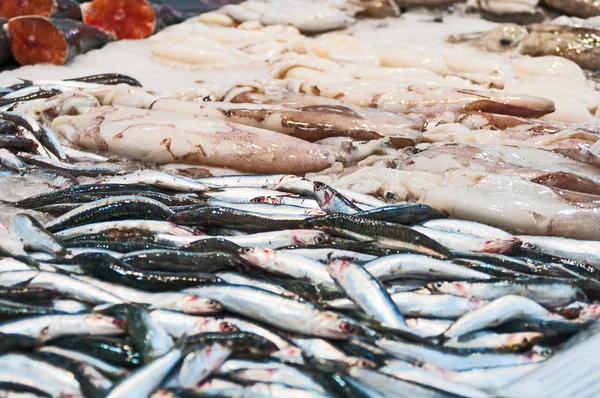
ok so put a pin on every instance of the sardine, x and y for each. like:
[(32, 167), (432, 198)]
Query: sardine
[(409, 213), (11, 161), (470, 243), (74, 170)]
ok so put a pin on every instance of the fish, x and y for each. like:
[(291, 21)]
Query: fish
[(366, 291), (247, 221), (16, 143), (111, 269), (160, 180), (34, 236), (143, 380), (103, 366), (129, 20), (381, 233), (48, 327), (410, 213), (332, 201), (419, 266), (580, 250), (497, 342), (498, 312), (290, 265), (467, 242), (75, 171), (547, 292), (199, 364), (11, 161), (457, 362), (116, 207), (287, 314), (57, 40), (151, 340)]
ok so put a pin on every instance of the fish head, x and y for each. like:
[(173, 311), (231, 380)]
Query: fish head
[(263, 199), (308, 237), (502, 38), (330, 324), (206, 325), (439, 287), (100, 324), (323, 193), (258, 256), (519, 340), (336, 267), (192, 304)]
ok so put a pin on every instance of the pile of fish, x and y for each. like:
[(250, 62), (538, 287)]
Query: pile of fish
[(151, 284)]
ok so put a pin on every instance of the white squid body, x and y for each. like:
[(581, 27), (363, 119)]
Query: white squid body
[(403, 97), (525, 163), (481, 197), (166, 137)]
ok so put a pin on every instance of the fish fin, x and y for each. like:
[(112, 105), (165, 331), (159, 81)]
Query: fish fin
[(23, 284)]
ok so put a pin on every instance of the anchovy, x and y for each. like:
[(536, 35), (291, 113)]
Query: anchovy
[(57, 210), (105, 367), (237, 342), (110, 209), (108, 79), (285, 313), (270, 371), (332, 201), (160, 180), (48, 327), (418, 266), (140, 383), (39, 375), (239, 194), (468, 228), (76, 171), (151, 340), (111, 269), (43, 134), (326, 255), (267, 208), (307, 203), (305, 187), (34, 236), (587, 251), (452, 361), (198, 365), (364, 290), (500, 311), (423, 305), (383, 234), (147, 226), (290, 265), (414, 374), (320, 348), (60, 283), (276, 239), (31, 295), (496, 341), (220, 216), (179, 325), (82, 156), (114, 350), (266, 333), (15, 143), (179, 260), (11, 161), (10, 310), (10, 246), (548, 292), (470, 243), (69, 194), (235, 278), (389, 386), (409, 213)]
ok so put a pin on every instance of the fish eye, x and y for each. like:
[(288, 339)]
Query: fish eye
[(247, 250), (317, 186), (211, 303), (505, 42), (363, 363), (226, 327), (319, 239), (347, 327)]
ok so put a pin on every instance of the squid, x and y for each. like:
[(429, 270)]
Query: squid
[(169, 137)]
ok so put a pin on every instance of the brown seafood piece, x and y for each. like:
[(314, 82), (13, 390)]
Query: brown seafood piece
[(578, 8)]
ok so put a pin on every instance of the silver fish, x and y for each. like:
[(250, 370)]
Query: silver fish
[(34, 236), (145, 379), (105, 367), (587, 251), (499, 311), (332, 201), (11, 161), (362, 288), (470, 243), (161, 180), (418, 266), (286, 314), (198, 365)]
